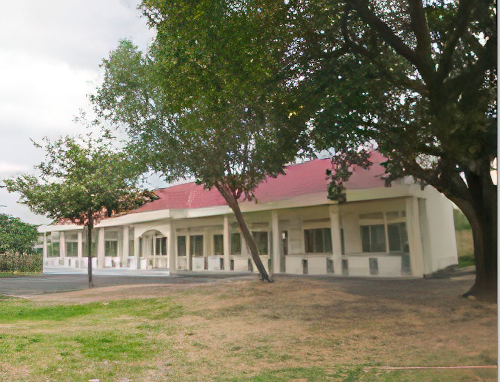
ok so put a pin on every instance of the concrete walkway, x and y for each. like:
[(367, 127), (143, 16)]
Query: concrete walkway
[(107, 271)]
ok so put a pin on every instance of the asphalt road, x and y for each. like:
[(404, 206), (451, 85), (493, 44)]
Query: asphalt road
[(53, 283)]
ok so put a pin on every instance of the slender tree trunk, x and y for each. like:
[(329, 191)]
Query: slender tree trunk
[(233, 204), (481, 212), (90, 225)]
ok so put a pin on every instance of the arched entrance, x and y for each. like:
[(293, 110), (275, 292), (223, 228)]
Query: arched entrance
[(153, 251)]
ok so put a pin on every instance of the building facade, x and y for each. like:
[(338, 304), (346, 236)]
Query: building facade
[(379, 231)]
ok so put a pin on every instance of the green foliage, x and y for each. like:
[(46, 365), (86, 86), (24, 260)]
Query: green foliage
[(202, 103), (21, 262), (80, 175), (16, 236)]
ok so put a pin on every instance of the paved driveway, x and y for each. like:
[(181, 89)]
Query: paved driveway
[(52, 283)]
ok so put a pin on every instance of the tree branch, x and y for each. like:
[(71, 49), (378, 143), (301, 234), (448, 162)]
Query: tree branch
[(461, 21), (385, 32)]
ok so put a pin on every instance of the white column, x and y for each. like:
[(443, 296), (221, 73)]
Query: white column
[(62, 245), (226, 244), (414, 237), (188, 251), (276, 250), (136, 250), (336, 243), (80, 244), (100, 249), (125, 245), (171, 250), (44, 251)]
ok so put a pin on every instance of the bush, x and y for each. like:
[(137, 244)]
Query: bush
[(21, 262), (461, 222)]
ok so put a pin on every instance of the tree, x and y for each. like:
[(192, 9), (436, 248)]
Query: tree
[(193, 105), (16, 236), (81, 180), (417, 79)]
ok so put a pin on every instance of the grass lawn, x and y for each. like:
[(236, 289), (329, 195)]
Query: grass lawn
[(465, 248), (297, 329)]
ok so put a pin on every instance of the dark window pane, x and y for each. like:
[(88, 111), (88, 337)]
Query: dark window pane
[(181, 245), (377, 238), (235, 244), (394, 237), (327, 236), (196, 245), (309, 240), (365, 238), (318, 240), (261, 241), (218, 244)]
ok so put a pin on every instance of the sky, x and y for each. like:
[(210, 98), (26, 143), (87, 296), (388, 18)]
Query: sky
[(50, 53)]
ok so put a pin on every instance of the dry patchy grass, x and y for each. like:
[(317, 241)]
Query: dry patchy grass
[(297, 329)]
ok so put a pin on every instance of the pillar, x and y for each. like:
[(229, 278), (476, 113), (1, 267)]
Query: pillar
[(414, 237), (100, 249), (336, 243), (44, 251), (188, 251), (125, 245), (172, 253), (276, 250), (80, 245), (136, 250), (62, 245), (226, 251)]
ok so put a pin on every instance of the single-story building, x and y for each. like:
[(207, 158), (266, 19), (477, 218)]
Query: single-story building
[(379, 231)]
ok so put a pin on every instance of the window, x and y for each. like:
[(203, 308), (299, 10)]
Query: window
[(53, 244), (261, 241), (161, 246), (196, 245), (71, 249), (53, 249), (181, 245), (235, 244), (318, 240), (398, 238), (373, 238), (218, 244), (111, 248), (384, 232)]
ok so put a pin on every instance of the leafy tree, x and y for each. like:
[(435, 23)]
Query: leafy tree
[(81, 180), (195, 107), (16, 236), (419, 80)]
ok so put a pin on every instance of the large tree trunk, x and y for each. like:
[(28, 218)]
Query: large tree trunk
[(233, 204), (90, 225), (481, 211)]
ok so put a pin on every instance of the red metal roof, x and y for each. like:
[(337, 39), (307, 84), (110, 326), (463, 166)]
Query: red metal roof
[(299, 179)]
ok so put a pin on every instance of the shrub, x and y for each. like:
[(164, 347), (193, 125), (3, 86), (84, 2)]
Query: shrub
[(21, 262)]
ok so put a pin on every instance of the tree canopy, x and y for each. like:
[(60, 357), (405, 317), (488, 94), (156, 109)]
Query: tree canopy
[(81, 180), (417, 79), (201, 102), (16, 236)]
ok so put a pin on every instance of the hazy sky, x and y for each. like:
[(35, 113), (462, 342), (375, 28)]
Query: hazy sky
[(50, 53)]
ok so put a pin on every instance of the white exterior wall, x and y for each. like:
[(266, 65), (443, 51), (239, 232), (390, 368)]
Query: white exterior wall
[(438, 231), (429, 222)]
